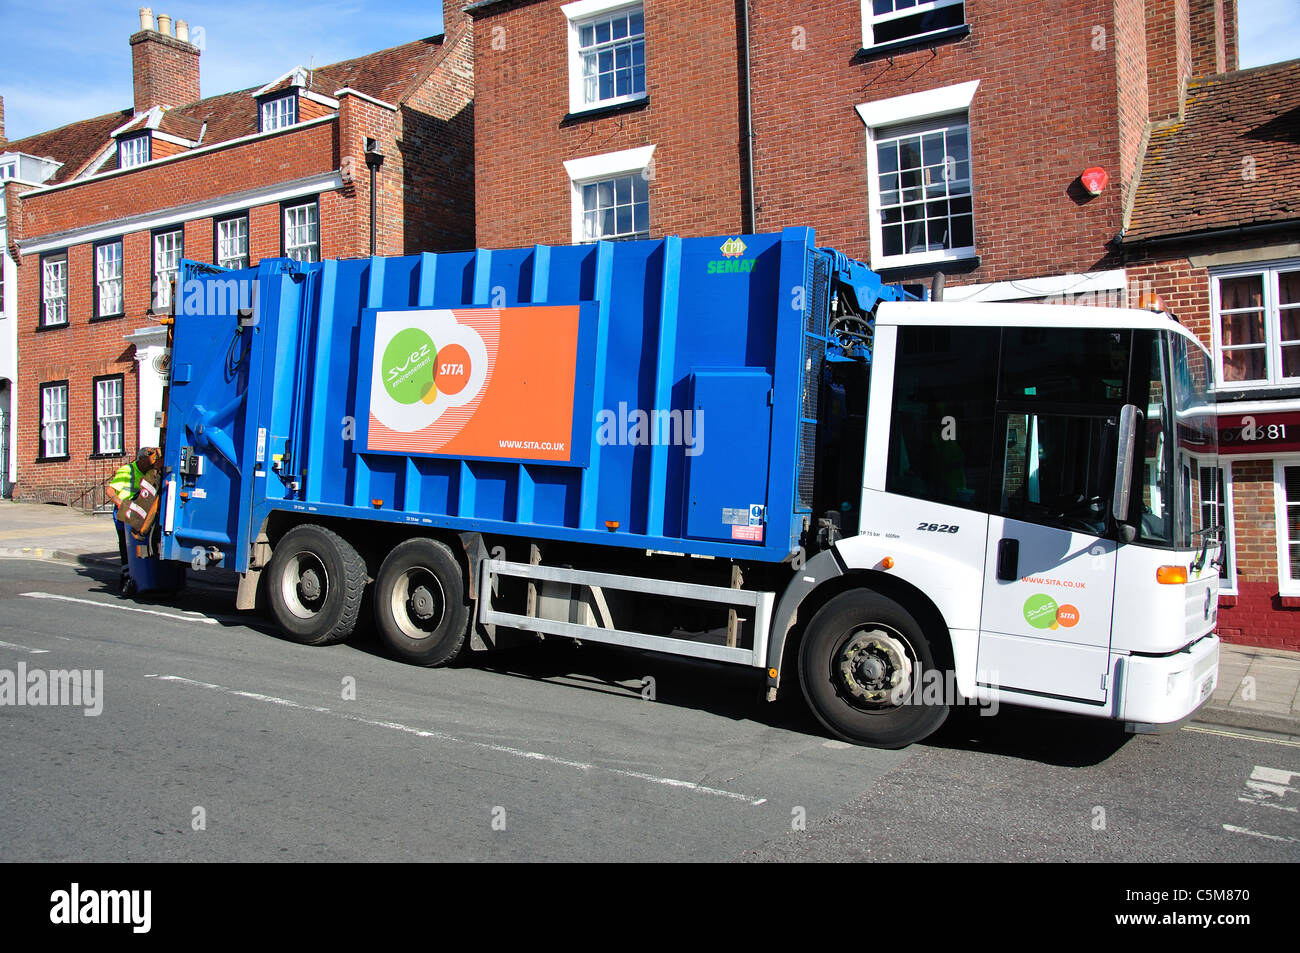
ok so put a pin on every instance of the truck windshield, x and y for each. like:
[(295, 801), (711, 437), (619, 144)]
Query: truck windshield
[(1181, 442)]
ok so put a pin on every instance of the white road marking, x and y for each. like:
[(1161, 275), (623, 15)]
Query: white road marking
[(1277, 777), (1237, 734), (1244, 830), (1258, 803), (442, 736), (24, 648), (185, 617)]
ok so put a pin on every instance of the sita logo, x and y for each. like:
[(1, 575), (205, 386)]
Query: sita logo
[(415, 369), (732, 261)]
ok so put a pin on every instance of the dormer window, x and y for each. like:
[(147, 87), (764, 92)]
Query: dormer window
[(133, 151), (8, 170), (278, 112)]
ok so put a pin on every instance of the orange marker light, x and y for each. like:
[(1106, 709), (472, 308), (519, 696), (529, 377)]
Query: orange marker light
[(887, 562), (376, 503), (611, 525), (1171, 575), (771, 673)]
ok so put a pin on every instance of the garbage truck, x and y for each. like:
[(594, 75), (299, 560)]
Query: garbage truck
[(745, 449)]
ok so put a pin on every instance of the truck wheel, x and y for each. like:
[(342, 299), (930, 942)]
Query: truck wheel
[(420, 607), (315, 581), (861, 666)]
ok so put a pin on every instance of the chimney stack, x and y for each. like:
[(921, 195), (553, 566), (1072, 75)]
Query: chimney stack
[(164, 68), (1209, 36), (453, 16), (1169, 57)]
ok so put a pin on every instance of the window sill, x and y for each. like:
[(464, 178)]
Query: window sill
[(1289, 602), (1264, 390), (108, 317), (591, 112), (904, 270), (51, 327), (1227, 600), (63, 459), (912, 42), (121, 454)]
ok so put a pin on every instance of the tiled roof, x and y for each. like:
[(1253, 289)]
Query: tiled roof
[(1233, 160), (74, 144), (386, 74)]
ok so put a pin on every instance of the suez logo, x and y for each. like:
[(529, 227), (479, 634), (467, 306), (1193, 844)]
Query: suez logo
[(1043, 612), (76, 906), (415, 370), (733, 261)]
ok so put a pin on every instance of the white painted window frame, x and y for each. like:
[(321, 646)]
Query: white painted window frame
[(579, 14), (597, 168), (274, 108), (313, 221), (48, 421), (222, 257), (64, 298), (1228, 585), (1272, 322), (134, 151), (110, 407), (1286, 585), (167, 255), (879, 117), (112, 280), (870, 19)]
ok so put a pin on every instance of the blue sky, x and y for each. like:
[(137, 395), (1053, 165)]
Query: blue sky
[(70, 60)]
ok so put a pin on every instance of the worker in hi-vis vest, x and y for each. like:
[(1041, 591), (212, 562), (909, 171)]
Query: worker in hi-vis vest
[(122, 489)]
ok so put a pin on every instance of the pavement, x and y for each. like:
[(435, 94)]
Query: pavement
[(1259, 688)]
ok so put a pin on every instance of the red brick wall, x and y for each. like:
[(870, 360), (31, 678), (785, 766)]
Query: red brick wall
[(1169, 56), (86, 348), (164, 71), (1207, 28), (1129, 47), (430, 198), (294, 154), (1184, 289), (1231, 61), (1045, 110), (522, 194)]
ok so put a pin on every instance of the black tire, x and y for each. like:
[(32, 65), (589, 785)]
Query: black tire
[(870, 706), (420, 607), (314, 585)]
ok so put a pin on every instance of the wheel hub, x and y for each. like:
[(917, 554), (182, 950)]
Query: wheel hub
[(309, 585), (875, 667), (421, 604)]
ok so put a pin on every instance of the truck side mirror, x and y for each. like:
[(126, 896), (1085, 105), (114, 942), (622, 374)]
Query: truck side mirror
[(1129, 420)]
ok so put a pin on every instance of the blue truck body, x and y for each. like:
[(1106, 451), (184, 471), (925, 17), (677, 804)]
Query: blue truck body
[(267, 405)]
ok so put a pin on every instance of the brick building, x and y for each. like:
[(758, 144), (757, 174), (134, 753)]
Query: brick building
[(106, 208), (917, 136), (1215, 230)]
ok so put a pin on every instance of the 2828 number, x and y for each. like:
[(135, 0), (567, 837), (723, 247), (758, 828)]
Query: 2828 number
[(937, 527)]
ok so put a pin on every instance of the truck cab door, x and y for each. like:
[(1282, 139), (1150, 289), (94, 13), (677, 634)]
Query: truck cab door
[(1049, 583)]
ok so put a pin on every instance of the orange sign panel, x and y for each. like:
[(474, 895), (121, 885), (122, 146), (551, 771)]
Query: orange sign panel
[(475, 382)]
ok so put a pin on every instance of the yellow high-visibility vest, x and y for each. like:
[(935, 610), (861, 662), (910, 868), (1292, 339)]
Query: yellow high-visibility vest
[(126, 481)]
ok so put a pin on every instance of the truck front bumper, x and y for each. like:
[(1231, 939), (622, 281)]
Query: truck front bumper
[(1165, 689)]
